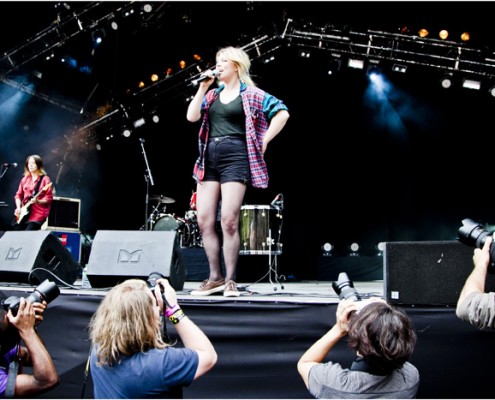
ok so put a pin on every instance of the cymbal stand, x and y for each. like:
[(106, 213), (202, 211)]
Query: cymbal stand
[(149, 180)]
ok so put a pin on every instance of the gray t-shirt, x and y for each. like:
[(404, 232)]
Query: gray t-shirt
[(331, 381), (479, 310)]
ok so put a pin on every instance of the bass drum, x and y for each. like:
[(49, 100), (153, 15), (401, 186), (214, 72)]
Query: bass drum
[(167, 222)]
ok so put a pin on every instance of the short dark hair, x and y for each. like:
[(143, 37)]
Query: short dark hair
[(383, 335)]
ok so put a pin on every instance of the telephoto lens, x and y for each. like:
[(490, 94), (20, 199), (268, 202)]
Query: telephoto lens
[(345, 288), (46, 291), (473, 234)]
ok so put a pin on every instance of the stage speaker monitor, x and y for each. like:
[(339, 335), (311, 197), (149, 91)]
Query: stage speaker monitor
[(33, 256), (119, 255), (429, 273)]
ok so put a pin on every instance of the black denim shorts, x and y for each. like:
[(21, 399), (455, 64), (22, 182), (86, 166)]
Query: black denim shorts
[(226, 160)]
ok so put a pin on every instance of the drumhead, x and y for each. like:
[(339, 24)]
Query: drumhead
[(166, 223), (255, 207)]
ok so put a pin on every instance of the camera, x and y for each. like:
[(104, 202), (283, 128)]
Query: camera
[(344, 287), (46, 291), (152, 278), (473, 234)]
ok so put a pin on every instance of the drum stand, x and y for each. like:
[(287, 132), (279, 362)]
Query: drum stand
[(273, 267)]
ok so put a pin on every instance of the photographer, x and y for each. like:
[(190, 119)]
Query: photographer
[(474, 305), (130, 359), (34, 354), (383, 338)]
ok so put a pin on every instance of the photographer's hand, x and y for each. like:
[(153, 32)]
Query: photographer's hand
[(39, 309), (475, 283), (25, 318), (344, 309), (163, 290)]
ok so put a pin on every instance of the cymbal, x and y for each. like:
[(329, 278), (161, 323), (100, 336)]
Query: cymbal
[(163, 199)]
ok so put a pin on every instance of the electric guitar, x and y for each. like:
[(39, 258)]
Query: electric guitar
[(25, 209)]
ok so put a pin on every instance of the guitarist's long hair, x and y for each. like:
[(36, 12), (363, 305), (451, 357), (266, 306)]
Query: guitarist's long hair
[(39, 164)]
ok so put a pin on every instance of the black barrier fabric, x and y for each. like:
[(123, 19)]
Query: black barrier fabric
[(259, 343)]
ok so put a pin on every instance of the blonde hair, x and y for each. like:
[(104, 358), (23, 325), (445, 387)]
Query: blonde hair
[(39, 164), (240, 58), (125, 323)]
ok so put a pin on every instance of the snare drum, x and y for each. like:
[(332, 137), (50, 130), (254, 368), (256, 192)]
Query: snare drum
[(167, 222), (260, 228)]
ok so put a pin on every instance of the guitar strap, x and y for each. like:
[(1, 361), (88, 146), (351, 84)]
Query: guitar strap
[(37, 188)]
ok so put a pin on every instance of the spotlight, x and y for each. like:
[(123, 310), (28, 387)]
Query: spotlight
[(492, 91), (446, 81), (380, 247), (443, 34), (114, 25), (471, 84), (422, 33), (465, 36), (399, 68), (126, 132), (353, 63), (155, 118), (154, 77), (147, 7), (327, 249), (139, 122), (268, 59), (354, 249), (304, 54)]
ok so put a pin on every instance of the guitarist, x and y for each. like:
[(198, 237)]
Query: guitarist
[(33, 197)]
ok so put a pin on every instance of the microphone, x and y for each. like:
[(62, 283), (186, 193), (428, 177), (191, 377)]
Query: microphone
[(205, 77), (279, 199), (7, 165)]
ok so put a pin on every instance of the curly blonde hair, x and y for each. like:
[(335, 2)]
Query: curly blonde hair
[(125, 323)]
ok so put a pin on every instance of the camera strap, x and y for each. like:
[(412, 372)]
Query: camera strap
[(13, 370)]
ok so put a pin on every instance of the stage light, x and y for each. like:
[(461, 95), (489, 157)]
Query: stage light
[(492, 91), (399, 68), (147, 7), (155, 118), (268, 59), (327, 249), (114, 25), (353, 63), (139, 122), (471, 84), (154, 77), (126, 132), (141, 85), (446, 81), (443, 34), (380, 247), (354, 249), (423, 33), (304, 54), (465, 36), (182, 64)]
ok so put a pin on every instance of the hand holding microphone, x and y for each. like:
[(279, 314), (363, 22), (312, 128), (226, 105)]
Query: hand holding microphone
[(205, 76)]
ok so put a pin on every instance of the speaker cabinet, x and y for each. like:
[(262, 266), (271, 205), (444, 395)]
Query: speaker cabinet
[(33, 256), (119, 255), (427, 273)]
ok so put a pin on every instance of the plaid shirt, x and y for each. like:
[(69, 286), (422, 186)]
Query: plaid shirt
[(259, 108)]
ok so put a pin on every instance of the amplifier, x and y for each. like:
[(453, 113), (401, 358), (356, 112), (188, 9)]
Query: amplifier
[(65, 214), (71, 241)]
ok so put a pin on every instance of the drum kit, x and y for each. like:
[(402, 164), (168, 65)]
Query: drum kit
[(260, 228), (186, 227)]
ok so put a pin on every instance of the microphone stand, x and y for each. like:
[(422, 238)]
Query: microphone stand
[(149, 179), (3, 170)]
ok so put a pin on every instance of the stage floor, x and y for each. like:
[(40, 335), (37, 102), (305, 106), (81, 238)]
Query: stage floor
[(291, 292)]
